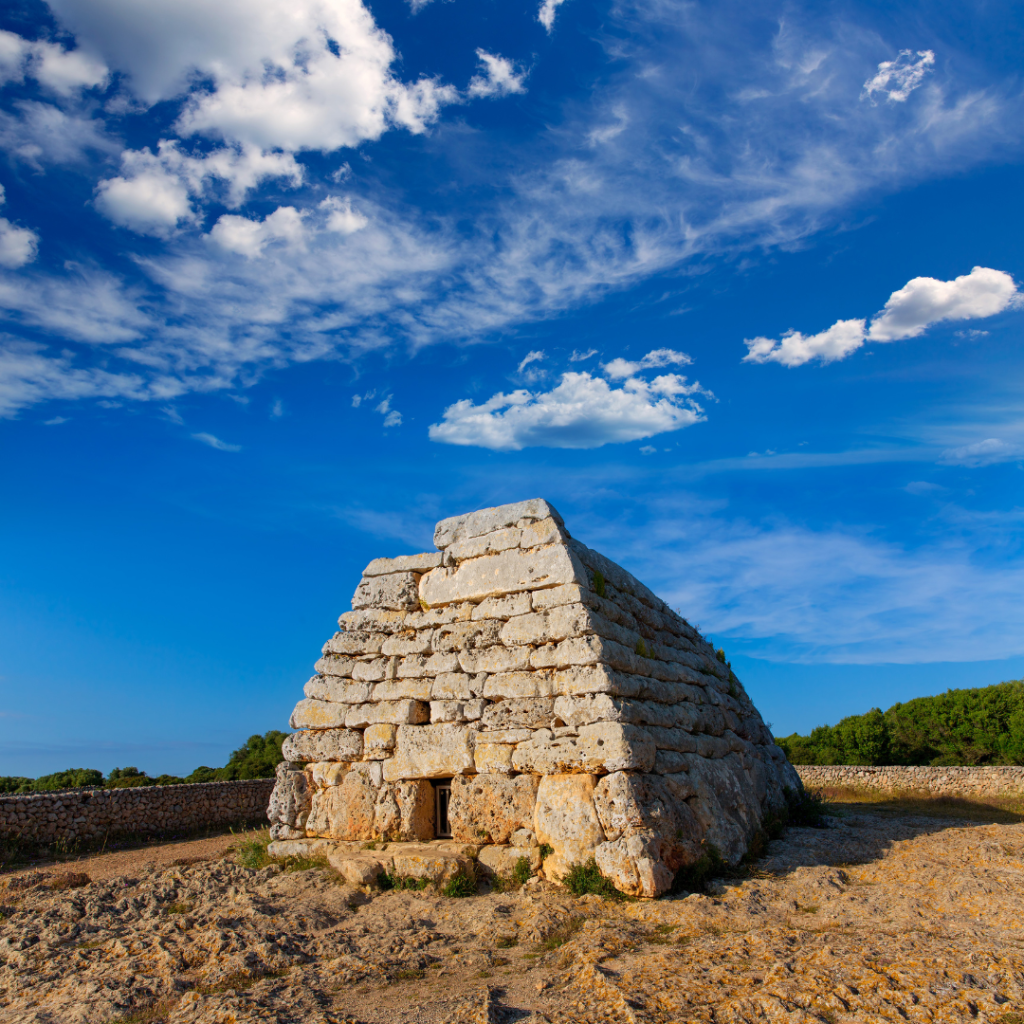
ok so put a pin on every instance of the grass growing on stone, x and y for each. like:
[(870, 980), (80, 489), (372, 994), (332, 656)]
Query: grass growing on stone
[(587, 878), (460, 885), (251, 850), (520, 874), (388, 882)]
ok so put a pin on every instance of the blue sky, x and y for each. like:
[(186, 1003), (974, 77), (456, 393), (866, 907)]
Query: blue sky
[(735, 286)]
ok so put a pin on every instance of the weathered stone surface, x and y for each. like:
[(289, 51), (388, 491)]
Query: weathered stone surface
[(291, 801), (565, 818), (402, 689), (496, 659), (488, 520), (493, 758), (345, 811), (503, 607), (456, 710), (429, 861), (372, 670), (522, 713), (360, 867), (379, 741), (602, 707), (404, 643), (468, 635), (503, 860), (392, 712), (490, 808), (457, 686), (488, 544), (599, 748), (324, 745), (405, 811), (338, 691), (355, 641), (318, 714), (397, 591), (403, 563), (430, 752), (513, 685), (416, 665), (509, 572)]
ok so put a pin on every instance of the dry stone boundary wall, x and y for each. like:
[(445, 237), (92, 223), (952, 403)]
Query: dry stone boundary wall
[(89, 815), (967, 781)]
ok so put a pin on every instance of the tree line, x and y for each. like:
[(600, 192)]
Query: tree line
[(984, 725), (256, 759)]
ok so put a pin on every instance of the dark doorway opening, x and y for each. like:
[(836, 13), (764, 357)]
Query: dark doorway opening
[(442, 798)]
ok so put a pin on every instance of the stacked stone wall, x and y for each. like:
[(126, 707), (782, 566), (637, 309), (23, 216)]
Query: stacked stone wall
[(568, 705), (968, 781), (90, 815)]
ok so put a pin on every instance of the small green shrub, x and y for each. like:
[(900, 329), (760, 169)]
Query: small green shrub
[(598, 584), (807, 809), (641, 649), (251, 850), (507, 942), (460, 885), (522, 872), (562, 935), (720, 654), (695, 877), (387, 882), (545, 851), (587, 878)]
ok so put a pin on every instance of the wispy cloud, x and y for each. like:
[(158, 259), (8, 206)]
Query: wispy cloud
[(216, 442), (983, 453), (897, 79)]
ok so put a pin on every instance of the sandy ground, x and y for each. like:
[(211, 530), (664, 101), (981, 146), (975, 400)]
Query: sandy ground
[(877, 919)]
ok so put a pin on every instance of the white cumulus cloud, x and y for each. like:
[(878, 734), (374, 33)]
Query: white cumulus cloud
[(248, 237), (18, 246), (897, 79), (341, 218), (499, 77), (581, 412), (61, 71), (925, 300), (546, 14), (908, 313), (620, 369)]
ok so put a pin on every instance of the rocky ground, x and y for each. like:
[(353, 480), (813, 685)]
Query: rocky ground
[(878, 918)]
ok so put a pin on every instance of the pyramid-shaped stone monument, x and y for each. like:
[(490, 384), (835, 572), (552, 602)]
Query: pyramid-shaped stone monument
[(518, 692)]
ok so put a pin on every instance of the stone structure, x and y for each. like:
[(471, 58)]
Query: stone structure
[(550, 696), (966, 782), (88, 816)]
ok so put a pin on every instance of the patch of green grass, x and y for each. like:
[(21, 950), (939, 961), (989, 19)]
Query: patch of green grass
[(388, 882), (598, 584), (545, 851), (519, 876), (1010, 1018), (507, 942), (809, 909), (239, 980), (484, 974), (368, 846), (178, 908), (409, 974), (251, 850), (587, 878), (460, 885), (641, 649), (304, 863)]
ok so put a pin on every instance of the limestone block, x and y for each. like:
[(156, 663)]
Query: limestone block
[(457, 686), (602, 747), (512, 685), (318, 714), (524, 837), (467, 636), (430, 752), (340, 691), (417, 666), (279, 831), (456, 710), (502, 860), (503, 607), (371, 671), (401, 644), (379, 741), (509, 736), (335, 665), (373, 620), (487, 544), (602, 679), (674, 739), (493, 758), (301, 848), (396, 591), (488, 520), (291, 800), (403, 689), (508, 572), (571, 620), (405, 811), (345, 811), (324, 745), (360, 867), (634, 865), (489, 808), (602, 707), (327, 773), (432, 862), (565, 818), (496, 659), (430, 618), (392, 712), (403, 563), (568, 593), (355, 641), (542, 531), (522, 713)]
